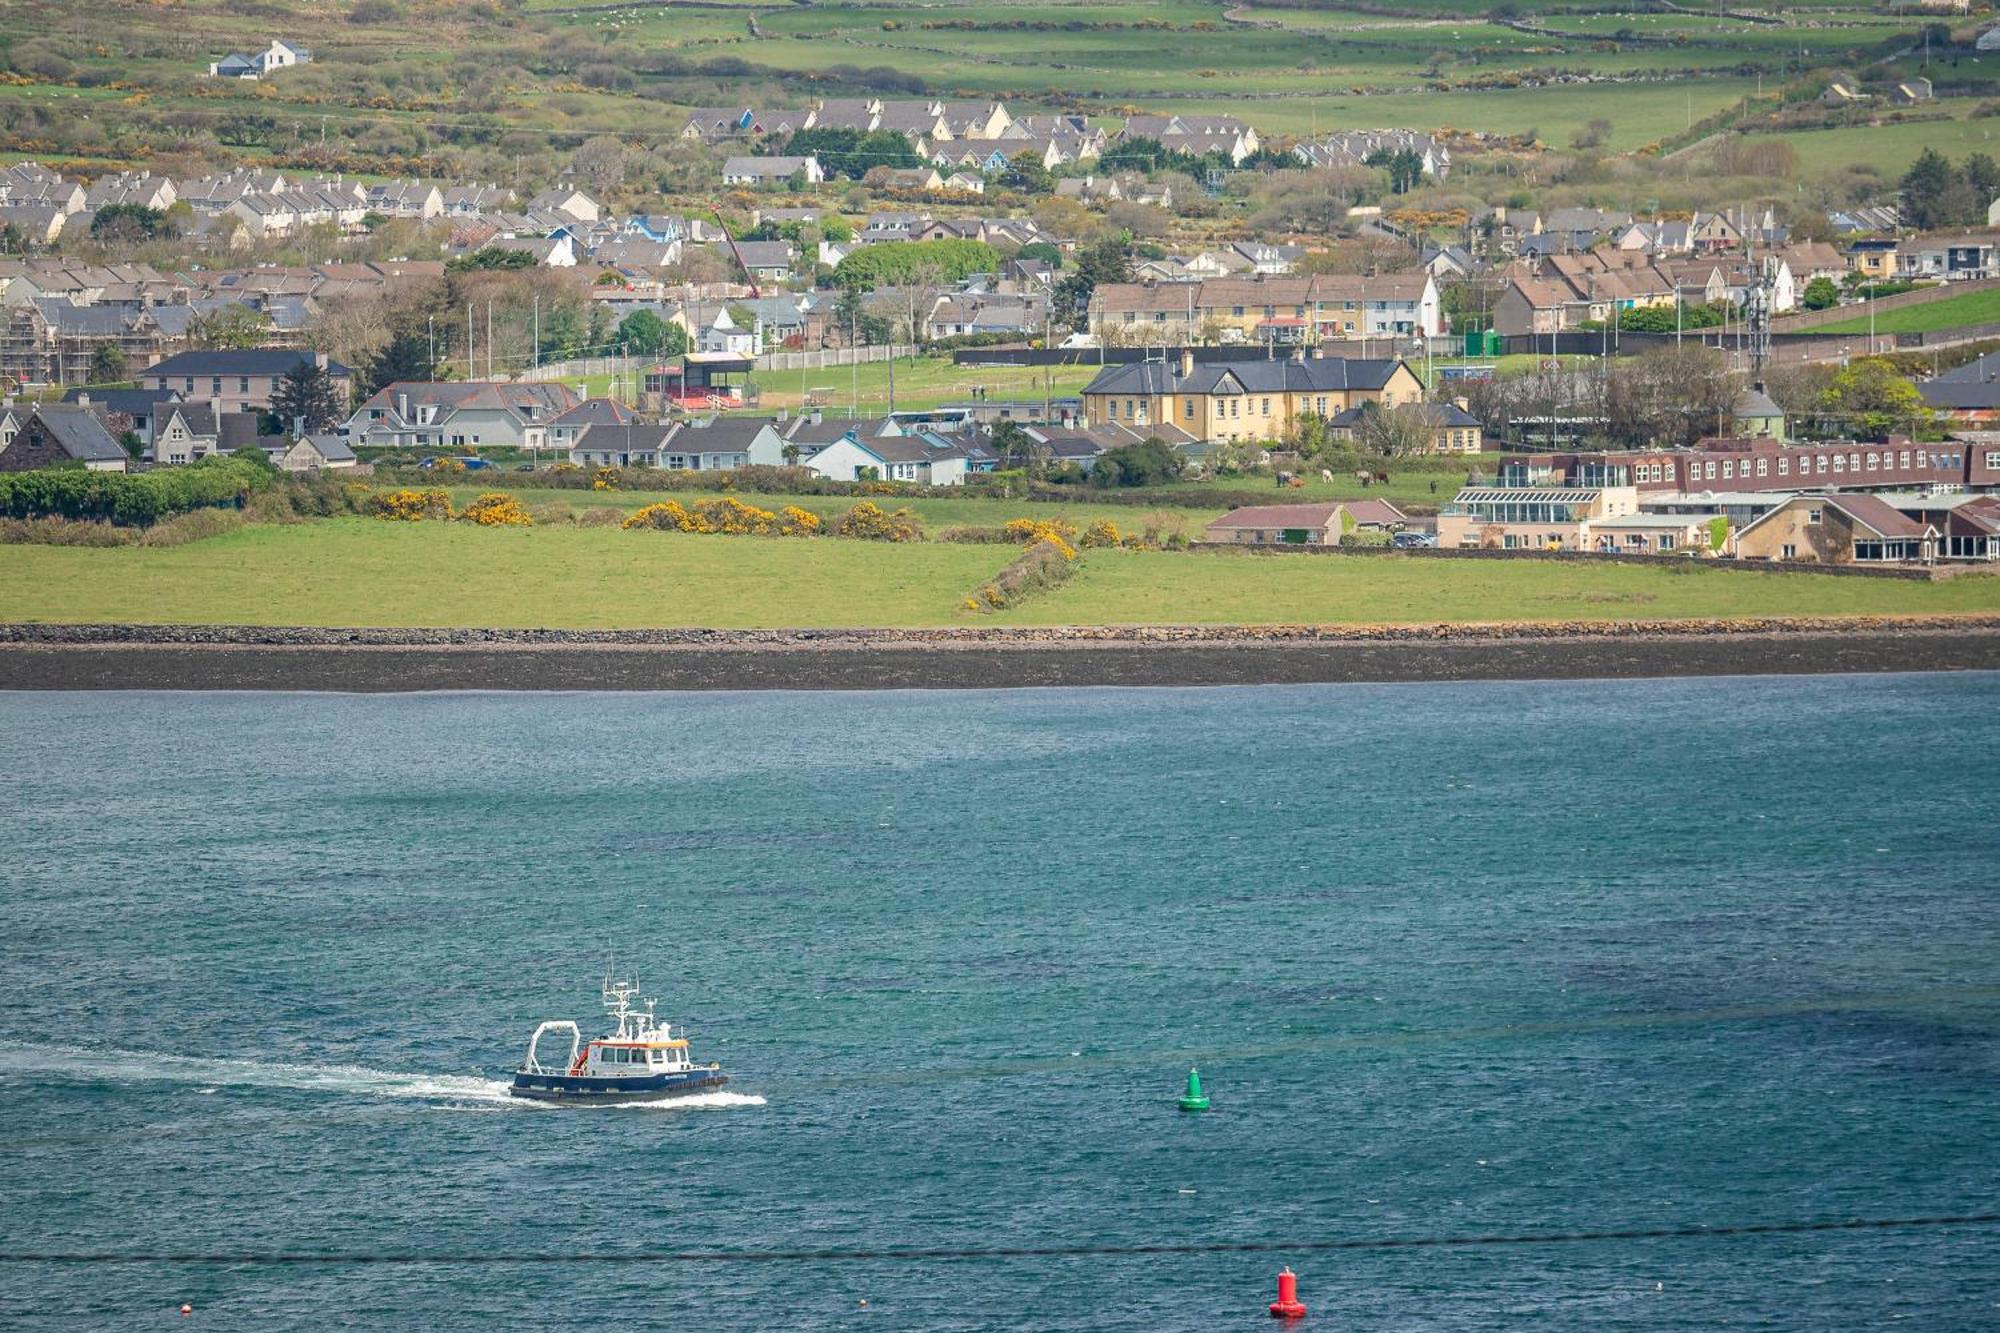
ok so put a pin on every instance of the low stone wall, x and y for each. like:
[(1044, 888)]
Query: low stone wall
[(1916, 573)]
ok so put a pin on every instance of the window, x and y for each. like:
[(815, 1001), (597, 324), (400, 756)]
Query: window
[(1763, 467), (1729, 470), (1187, 408), (1822, 462), (1993, 458), (1784, 467), (1903, 459), (1267, 407), (243, 384), (1854, 461), (1711, 469), (1812, 515), (1871, 462), (215, 384), (1839, 463), (1788, 552), (1666, 541)]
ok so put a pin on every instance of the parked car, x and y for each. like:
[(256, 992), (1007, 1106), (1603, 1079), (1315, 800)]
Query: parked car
[(1410, 541)]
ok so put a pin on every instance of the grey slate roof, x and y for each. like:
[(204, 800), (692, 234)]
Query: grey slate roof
[(1332, 374), (231, 361), (81, 434)]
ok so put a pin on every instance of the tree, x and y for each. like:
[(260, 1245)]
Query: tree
[(306, 393), (644, 333), (1926, 186), (1049, 254), (851, 153), (129, 222), (1870, 398), (1822, 293), (1104, 260), (1150, 462), (1011, 442), (107, 364), (1671, 395), (895, 265), (233, 326), (1026, 172), (406, 357), (1397, 432), (493, 258)]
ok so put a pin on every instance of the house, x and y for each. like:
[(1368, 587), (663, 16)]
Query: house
[(1837, 530), (1756, 414), (1952, 256), (1843, 90), (1911, 91), (1354, 148), (278, 55), (765, 172), (1282, 311), (1874, 258), (712, 125), (238, 380), (1453, 429), (926, 460), (459, 415), (722, 336), (721, 443), (1243, 400), (566, 428), (316, 453), (406, 199), (623, 444), (767, 261), (566, 201), (123, 410), (1293, 525), (1531, 518), (914, 179), (57, 436)]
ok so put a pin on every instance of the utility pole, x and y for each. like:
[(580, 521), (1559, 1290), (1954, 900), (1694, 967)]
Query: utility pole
[(538, 331), (431, 321), (471, 372), (489, 337)]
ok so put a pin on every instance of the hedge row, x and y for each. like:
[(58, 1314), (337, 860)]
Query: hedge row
[(132, 499)]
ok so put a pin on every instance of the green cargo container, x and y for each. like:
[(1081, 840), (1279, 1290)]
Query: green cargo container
[(1495, 344), (1475, 344)]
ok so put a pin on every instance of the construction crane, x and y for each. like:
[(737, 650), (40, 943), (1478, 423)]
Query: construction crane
[(748, 276)]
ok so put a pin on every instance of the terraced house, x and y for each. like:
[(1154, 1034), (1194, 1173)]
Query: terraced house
[(1243, 400), (1272, 310)]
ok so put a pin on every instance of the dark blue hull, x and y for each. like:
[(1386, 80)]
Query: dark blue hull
[(581, 1090)]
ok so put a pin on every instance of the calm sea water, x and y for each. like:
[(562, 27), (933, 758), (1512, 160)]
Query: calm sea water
[(1453, 960)]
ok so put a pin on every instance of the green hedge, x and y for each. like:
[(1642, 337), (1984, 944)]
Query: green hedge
[(131, 499)]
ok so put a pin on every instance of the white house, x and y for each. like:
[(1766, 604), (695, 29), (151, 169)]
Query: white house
[(278, 55), (757, 172)]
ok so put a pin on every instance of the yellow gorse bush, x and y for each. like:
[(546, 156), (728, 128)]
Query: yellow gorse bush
[(1055, 531), (726, 515), (410, 506), (1101, 533), (497, 509), (870, 521), (604, 479)]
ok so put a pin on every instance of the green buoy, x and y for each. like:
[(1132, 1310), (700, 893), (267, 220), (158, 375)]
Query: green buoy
[(1196, 1099)]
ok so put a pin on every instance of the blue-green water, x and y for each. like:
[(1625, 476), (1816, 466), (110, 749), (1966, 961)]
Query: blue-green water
[(1453, 959)]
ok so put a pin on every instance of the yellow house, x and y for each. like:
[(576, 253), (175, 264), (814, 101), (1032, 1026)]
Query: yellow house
[(1243, 400)]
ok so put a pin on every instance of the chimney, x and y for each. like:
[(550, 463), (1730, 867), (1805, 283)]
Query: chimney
[(298, 428), (83, 399), (403, 405), (1187, 362), (1463, 403), (815, 416), (319, 360)]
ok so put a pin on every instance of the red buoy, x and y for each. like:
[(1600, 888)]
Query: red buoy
[(1288, 1306), (186, 1310)]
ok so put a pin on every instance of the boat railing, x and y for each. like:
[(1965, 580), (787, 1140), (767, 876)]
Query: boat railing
[(534, 1065)]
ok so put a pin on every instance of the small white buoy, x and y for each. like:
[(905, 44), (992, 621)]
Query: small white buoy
[(186, 1310)]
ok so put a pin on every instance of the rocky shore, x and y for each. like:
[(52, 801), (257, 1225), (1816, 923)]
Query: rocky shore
[(962, 657)]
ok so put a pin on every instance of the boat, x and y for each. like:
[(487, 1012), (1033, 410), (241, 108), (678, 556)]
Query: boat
[(640, 1060)]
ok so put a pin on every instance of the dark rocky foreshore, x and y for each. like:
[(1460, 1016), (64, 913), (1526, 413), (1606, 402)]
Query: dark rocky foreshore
[(306, 658)]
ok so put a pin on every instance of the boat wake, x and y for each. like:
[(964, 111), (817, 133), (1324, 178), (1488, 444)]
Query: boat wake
[(75, 1065)]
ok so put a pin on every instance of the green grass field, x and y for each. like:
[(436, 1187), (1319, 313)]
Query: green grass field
[(1981, 307), (365, 572), (921, 382)]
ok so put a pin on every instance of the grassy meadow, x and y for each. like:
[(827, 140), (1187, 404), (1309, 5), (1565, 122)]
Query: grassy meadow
[(1980, 307), (364, 572), (438, 72)]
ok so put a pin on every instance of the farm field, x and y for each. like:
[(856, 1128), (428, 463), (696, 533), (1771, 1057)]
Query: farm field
[(367, 573), (1981, 307), (423, 70), (1191, 513), (1158, 587)]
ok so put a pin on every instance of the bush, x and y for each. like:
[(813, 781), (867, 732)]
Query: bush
[(1056, 532), (411, 506), (1101, 533), (1044, 565), (131, 499), (497, 509), (601, 516), (869, 521), (727, 515)]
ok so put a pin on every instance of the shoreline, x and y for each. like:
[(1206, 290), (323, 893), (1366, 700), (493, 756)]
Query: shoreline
[(127, 657)]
